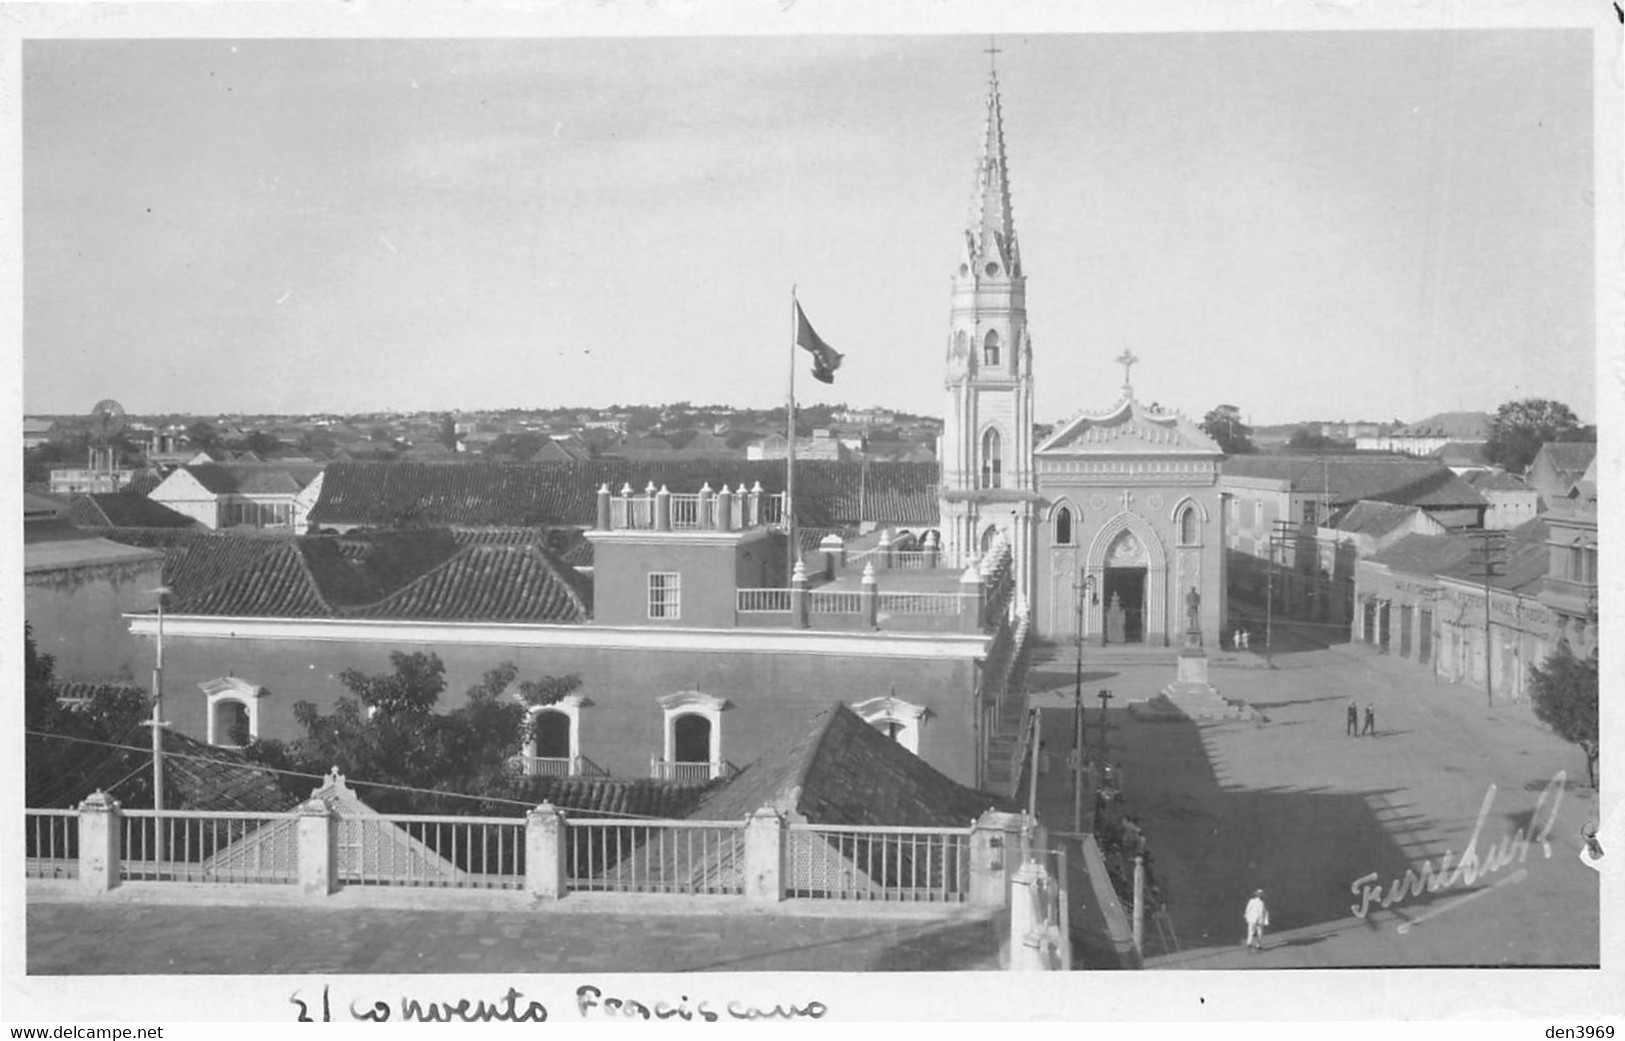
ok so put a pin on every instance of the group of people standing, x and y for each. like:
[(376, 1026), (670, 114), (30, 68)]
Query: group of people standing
[(1353, 728)]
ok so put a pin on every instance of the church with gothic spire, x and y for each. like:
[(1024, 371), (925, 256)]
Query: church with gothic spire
[(1115, 520)]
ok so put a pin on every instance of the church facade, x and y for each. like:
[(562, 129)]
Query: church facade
[(1115, 521)]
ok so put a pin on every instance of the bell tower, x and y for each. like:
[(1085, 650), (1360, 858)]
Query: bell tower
[(986, 452)]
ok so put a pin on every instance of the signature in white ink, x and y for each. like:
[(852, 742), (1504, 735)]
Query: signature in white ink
[(1470, 868)]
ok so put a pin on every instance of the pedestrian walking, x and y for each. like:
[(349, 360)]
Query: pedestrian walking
[(1257, 916), (1370, 719), (1353, 728)]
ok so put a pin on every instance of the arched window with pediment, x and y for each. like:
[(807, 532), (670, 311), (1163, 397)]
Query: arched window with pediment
[(992, 459), (990, 348), (899, 720), (1063, 526), (1188, 526), (233, 710), (693, 736)]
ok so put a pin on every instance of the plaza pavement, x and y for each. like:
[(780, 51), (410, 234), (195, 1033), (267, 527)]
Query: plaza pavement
[(1292, 804), (124, 938)]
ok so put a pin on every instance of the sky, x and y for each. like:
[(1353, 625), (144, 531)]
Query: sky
[(1342, 225)]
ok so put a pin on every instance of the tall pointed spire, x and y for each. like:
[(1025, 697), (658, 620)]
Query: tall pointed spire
[(992, 231)]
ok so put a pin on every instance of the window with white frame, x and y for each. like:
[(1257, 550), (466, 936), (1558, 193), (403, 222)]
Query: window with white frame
[(693, 735), (233, 710), (899, 720), (665, 594), (553, 737)]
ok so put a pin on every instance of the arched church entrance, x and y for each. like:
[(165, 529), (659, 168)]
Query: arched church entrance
[(1125, 604), (1123, 589)]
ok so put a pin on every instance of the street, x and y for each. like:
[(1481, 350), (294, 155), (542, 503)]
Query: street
[(1329, 824)]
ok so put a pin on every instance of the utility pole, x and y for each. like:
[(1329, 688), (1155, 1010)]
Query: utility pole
[(158, 709), (1490, 554), (1035, 754), (1280, 532), (1105, 696)]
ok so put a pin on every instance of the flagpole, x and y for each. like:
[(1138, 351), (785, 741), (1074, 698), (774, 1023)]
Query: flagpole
[(790, 451)]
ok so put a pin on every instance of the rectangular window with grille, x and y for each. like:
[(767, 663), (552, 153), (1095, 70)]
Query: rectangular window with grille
[(665, 594)]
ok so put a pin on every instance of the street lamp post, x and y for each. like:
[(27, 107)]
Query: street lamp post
[(1085, 591)]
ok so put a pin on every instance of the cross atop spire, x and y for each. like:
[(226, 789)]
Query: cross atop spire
[(992, 51), (1127, 360)]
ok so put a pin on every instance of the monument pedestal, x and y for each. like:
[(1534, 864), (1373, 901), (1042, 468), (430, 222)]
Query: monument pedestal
[(1192, 694)]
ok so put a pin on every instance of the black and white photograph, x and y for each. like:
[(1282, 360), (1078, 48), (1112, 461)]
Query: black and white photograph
[(812, 512)]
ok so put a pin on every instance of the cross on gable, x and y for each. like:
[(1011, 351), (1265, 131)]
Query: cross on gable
[(992, 51), (1127, 360), (1128, 499)]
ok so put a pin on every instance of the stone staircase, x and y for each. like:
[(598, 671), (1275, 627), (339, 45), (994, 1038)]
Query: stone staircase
[(1065, 653)]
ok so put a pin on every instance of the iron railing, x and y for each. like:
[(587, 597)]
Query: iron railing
[(208, 846), (834, 601), (764, 601), (878, 863), (444, 852), (919, 603), (566, 766), (689, 773), (687, 857), (51, 844)]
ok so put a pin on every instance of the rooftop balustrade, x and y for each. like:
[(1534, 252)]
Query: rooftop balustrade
[(658, 509)]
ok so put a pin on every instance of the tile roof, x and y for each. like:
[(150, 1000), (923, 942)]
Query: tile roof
[(1373, 518), (124, 510), (406, 494), (254, 478), (1568, 458), (1348, 478), (1526, 561), (1424, 554), (35, 505), (194, 559), (1497, 481), (841, 770), (1458, 426), (520, 582), (1462, 453), (417, 573), (609, 797), (1129, 427), (206, 777)]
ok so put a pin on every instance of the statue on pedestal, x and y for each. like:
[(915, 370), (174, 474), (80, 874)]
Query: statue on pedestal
[(1193, 609)]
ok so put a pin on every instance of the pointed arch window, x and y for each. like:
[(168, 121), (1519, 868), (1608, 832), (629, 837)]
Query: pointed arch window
[(1063, 526), (992, 459), (1189, 529), (990, 348)]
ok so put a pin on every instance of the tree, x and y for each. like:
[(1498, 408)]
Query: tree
[(1565, 699), (1308, 439), (1223, 424), (65, 750), (1521, 427), (448, 432), (204, 435), (389, 735)]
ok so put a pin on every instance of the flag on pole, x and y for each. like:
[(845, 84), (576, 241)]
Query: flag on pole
[(826, 359)]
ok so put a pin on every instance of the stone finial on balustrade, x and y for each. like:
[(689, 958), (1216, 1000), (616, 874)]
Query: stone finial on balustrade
[(662, 500), (798, 595), (317, 839), (833, 547), (753, 506), (725, 510), (99, 842), (971, 591), (603, 507), (869, 588), (883, 548), (546, 871), (766, 848), (703, 519)]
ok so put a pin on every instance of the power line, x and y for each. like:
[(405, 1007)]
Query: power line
[(323, 777)]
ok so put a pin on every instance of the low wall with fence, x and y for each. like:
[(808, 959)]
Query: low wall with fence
[(316, 851)]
